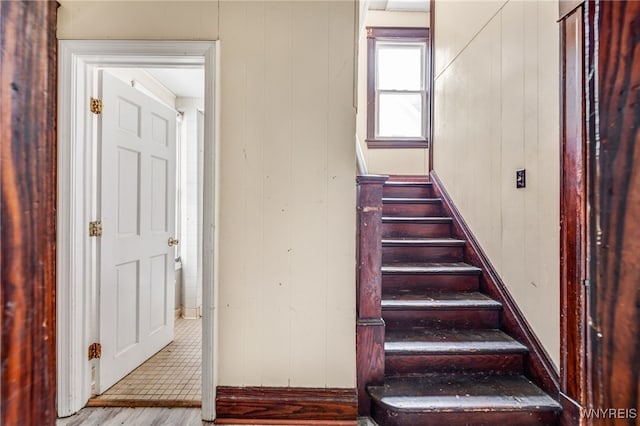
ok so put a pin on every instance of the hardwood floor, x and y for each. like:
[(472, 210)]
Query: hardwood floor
[(144, 416)]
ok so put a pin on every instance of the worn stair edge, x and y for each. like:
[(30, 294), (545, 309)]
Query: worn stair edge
[(463, 393), (431, 268), (453, 348), (408, 200), (472, 403), (416, 220), (396, 183), (422, 242), (440, 304)]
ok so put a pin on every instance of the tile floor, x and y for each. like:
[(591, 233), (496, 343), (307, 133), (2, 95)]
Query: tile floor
[(174, 373)]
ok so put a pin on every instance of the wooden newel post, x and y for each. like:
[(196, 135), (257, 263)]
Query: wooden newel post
[(370, 326)]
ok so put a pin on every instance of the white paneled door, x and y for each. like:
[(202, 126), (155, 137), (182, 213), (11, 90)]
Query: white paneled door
[(137, 204)]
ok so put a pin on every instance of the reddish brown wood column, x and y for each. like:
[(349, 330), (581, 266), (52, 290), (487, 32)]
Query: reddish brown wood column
[(614, 256), (573, 207), (370, 326), (28, 211)]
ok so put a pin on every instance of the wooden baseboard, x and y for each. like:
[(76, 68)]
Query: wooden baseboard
[(571, 412), (257, 405), (281, 422), (538, 364)]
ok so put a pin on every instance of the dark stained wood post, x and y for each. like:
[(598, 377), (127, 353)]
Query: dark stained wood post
[(600, 211), (614, 256), (573, 207), (370, 326), (28, 65)]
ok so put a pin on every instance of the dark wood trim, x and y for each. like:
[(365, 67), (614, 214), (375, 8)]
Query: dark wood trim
[(408, 178), (432, 77), (281, 422), (174, 403), (28, 85), (571, 411), (397, 143), (370, 325), (613, 123), (565, 7), (538, 366), (406, 33), (294, 404), (573, 229), (394, 33)]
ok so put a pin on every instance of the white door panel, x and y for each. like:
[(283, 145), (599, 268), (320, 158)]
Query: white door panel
[(137, 204)]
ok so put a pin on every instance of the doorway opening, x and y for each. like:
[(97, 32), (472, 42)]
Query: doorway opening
[(168, 118), (82, 66)]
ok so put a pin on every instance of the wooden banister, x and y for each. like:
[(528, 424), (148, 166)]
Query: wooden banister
[(370, 325)]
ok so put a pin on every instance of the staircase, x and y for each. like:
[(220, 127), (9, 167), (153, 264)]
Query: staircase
[(447, 362)]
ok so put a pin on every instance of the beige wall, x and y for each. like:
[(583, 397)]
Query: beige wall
[(386, 161), (138, 20), (287, 292), (496, 110), (287, 173)]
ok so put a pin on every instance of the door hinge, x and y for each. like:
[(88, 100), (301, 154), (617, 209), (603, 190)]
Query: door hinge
[(96, 106), (95, 229), (95, 351), (586, 283)]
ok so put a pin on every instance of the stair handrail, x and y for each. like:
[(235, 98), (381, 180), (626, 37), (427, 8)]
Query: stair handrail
[(370, 325), (360, 160)]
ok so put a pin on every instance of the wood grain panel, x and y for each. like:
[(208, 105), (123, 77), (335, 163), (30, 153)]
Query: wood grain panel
[(370, 326), (615, 205), (573, 198), (28, 188), (285, 403)]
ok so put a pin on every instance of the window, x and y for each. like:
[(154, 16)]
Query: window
[(397, 87)]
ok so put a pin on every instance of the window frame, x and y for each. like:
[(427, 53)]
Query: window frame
[(396, 35)]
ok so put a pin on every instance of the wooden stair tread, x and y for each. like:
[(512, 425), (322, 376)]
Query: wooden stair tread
[(428, 341), (430, 268), (422, 242), (439, 300), (416, 220), (396, 183), (463, 393), (407, 200)]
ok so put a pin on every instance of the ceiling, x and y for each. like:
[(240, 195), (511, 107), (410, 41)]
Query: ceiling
[(400, 5), (183, 82)]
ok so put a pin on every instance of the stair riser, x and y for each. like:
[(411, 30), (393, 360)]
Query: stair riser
[(392, 254), (398, 283), (412, 210), (416, 230), (441, 319), (408, 191), (407, 365), (384, 416)]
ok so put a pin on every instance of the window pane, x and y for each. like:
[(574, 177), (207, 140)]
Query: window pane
[(399, 66), (400, 115)]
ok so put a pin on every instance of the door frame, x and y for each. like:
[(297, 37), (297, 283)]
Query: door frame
[(76, 252)]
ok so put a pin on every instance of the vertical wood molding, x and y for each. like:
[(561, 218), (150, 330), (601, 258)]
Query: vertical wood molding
[(573, 231), (28, 211), (370, 326), (614, 256)]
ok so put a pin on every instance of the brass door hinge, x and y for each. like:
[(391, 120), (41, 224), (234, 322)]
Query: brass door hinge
[(95, 229), (96, 106), (95, 351)]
